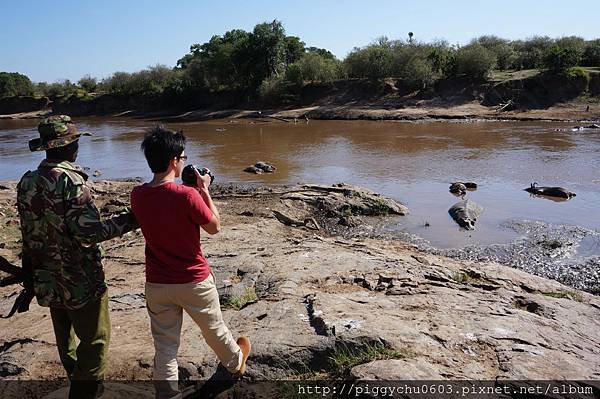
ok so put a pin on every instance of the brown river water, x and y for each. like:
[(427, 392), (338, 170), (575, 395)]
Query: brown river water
[(413, 163)]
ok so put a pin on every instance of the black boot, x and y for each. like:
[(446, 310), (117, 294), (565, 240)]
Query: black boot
[(82, 389)]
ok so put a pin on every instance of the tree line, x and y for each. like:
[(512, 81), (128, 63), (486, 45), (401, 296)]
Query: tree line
[(268, 63)]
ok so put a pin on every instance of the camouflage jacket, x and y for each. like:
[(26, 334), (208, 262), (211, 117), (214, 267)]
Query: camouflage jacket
[(61, 230)]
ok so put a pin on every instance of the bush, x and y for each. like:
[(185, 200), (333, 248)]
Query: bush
[(88, 83), (151, 81), (591, 54), (15, 84), (373, 62), (293, 74), (418, 74), (314, 67), (502, 49), (559, 58), (577, 44), (577, 73), (474, 61), (529, 54), (442, 59), (273, 88), (413, 64), (117, 83), (57, 89)]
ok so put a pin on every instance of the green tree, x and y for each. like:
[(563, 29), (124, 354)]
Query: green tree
[(41, 89), (240, 59), (15, 84), (559, 57), (591, 54), (294, 49), (268, 51), (293, 75), (118, 83), (502, 49), (529, 54), (441, 57), (88, 83), (314, 67), (474, 61), (322, 52), (410, 62), (56, 90), (373, 61)]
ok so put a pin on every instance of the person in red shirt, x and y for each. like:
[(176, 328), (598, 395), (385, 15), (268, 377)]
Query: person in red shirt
[(178, 277)]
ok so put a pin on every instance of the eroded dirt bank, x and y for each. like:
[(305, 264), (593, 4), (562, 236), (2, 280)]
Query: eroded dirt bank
[(517, 95), (307, 298)]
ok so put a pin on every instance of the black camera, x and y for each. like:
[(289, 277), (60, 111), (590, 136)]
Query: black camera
[(189, 177)]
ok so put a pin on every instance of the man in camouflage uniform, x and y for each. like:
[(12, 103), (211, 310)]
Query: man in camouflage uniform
[(61, 230)]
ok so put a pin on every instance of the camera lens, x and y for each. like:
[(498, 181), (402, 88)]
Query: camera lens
[(188, 176)]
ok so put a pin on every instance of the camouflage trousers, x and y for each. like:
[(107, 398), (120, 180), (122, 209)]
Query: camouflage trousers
[(91, 325)]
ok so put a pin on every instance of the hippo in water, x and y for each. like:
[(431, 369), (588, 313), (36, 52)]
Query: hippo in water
[(466, 213), (550, 191), (260, 167), (592, 126), (460, 188)]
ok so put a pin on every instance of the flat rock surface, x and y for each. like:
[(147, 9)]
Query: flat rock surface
[(314, 292)]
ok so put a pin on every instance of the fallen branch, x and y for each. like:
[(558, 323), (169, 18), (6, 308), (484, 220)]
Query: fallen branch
[(508, 104)]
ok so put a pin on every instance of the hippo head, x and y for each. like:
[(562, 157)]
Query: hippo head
[(468, 224), (466, 213)]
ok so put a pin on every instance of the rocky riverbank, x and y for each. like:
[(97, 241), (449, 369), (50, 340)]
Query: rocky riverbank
[(317, 304)]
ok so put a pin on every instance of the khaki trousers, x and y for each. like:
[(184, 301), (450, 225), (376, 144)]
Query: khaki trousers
[(165, 304)]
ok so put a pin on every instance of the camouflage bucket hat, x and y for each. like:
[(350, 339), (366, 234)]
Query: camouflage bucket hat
[(55, 131)]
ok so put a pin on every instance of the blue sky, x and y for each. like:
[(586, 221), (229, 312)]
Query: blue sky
[(55, 40)]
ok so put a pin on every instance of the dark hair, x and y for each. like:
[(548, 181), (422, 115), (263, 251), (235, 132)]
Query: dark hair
[(64, 153), (160, 145)]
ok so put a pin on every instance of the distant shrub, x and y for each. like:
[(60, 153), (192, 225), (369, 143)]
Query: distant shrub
[(529, 54), (88, 83), (474, 61), (293, 74), (117, 83), (419, 74), (591, 54), (151, 81), (373, 61), (559, 58), (577, 44), (577, 73), (15, 84), (412, 65), (314, 66), (442, 59), (273, 88), (63, 88), (501, 49)]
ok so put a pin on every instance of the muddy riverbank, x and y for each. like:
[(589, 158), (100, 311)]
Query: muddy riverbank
[(532, 96), (422, 112), (308, 295)]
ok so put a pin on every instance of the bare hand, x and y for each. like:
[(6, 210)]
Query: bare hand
[(202, 181)]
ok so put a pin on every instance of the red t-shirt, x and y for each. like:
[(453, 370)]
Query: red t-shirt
[(170, 216)]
